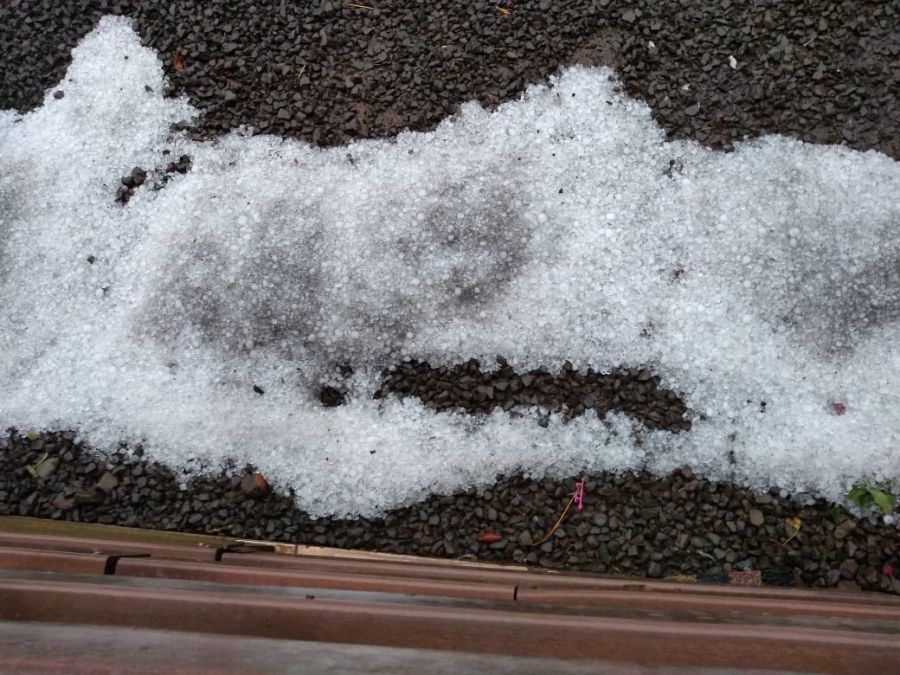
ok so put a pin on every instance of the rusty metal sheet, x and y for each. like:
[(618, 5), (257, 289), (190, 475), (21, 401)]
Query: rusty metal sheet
[(28, 647), (539, 585), (712, 604), (52, 561), (360, 554), (450, 628), (65, 528), (427, 604), (199, 551), (152, 567), (423, 569)]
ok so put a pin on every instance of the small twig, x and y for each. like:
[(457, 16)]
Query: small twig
[(356, 6), (785, 542), (558, 522), (503, 10)]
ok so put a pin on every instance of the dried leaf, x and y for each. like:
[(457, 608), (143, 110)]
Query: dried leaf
[(489, 537), (254, 485), (177, 63), (261, 483)]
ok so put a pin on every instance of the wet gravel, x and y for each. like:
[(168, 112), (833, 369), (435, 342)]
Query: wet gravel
[(330, 71), (631, 524), (570, 393), (327, 72)]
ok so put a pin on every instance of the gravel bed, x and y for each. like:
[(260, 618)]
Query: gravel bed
[(465, 386), (631, 524), (328, 73)]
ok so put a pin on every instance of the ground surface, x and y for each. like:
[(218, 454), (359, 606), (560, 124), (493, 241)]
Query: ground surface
[(327, 73)]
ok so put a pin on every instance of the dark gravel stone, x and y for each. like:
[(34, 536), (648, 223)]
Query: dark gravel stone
[(107, 482), (61, 503), (331, 396), (88, 496), (138, 176)]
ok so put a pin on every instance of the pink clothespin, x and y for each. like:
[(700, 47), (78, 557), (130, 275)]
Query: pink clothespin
[(579, 495)]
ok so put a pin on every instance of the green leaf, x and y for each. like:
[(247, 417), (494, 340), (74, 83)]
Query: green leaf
[(861, 496), (30, 435), (883, 500), (837, 514), (230, 286), (871, 498)]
